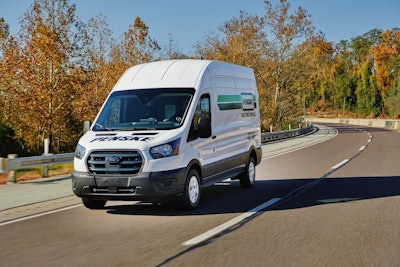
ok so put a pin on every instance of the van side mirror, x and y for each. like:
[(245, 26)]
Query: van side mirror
[(204, 128), (86, 126)]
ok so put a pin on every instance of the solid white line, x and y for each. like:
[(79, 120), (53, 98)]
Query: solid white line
[(200, 238), (362, 148), (39, 215), (340, 164)]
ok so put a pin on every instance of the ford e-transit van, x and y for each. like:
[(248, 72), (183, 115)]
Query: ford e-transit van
[(168, 129)]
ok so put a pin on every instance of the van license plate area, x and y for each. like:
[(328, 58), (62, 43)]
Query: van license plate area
[(109, 182), (113, 189)]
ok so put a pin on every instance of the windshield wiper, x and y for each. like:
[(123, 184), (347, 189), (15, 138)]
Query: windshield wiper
[(103, 127)]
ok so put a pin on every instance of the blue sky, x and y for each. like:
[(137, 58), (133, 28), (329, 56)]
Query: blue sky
[(189, 20)]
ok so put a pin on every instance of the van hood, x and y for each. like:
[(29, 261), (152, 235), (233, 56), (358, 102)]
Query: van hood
[(126, 139)]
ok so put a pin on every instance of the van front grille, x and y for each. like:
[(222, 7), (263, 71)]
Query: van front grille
[(115, 162)]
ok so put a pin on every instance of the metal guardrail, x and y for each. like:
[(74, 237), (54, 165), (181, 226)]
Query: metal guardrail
[(275, 136), (13, 163)]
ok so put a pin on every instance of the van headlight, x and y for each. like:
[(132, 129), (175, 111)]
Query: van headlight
[(166, 150), (80, 151)]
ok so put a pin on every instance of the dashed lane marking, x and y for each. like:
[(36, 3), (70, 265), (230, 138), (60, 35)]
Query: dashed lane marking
[(219, 229), (340, 164)]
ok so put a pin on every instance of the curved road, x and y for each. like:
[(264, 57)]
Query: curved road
[(328, 199)]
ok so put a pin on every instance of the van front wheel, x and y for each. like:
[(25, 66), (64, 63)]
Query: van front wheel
[(191, 195), (248, 177), (93, 204)]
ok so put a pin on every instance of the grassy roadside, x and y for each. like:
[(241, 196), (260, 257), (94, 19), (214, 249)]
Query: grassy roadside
[(35, 173)]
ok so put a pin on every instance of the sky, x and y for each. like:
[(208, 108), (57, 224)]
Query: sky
[(183, 23)]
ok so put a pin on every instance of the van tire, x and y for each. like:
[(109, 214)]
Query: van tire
[(248, 177), (192, 193), (93, 204)]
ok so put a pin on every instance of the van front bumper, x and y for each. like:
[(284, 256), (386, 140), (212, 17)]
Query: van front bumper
[(147, 186)]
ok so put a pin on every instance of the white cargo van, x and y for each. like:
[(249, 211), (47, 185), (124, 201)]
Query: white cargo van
[(167, 129)]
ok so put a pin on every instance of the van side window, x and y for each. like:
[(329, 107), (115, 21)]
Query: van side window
[(202, 114)]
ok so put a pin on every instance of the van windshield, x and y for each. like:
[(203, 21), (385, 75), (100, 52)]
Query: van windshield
[(145, 109)]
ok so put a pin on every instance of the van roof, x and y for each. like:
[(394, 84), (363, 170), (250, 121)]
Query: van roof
[(184, 73)]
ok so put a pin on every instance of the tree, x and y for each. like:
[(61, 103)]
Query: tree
[(92, 80), (241, 40), (315, 72), (137, 46), (368, 98), (48, 38), (105, 61), (288, 30), (345, 77), (387, 68), (10, 59), (4, 33), (384, 53), (360, 45), (8, 142)]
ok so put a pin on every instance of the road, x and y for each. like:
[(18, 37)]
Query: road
[(327, 200)]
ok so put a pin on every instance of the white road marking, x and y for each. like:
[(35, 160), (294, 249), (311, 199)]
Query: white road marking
[(340, 164), (39, 215), (362, 148), (204, 236)]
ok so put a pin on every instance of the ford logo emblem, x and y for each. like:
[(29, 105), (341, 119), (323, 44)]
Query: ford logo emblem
[(113, 160)]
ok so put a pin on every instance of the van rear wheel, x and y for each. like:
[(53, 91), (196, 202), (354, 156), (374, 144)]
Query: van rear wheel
[(248, 177), (93, 204), (192, 193)]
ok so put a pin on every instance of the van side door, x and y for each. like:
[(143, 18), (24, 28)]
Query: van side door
[(200, 135)]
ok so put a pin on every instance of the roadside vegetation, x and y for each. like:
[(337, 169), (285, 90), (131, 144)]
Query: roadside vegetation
[(57, 71)]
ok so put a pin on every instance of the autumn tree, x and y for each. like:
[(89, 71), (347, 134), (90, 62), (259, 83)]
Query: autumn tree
[(48, 39), (10, 61), (92, 78), (4, 33), (6, 76), (136, 47), (288, 29), (9, 80), (269, 44), (345, 78), (386, 56), (314, 73), (241, 40), (105, 61)]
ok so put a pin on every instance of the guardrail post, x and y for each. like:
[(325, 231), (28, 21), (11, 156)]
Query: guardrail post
[(11, 175), (45, 169)]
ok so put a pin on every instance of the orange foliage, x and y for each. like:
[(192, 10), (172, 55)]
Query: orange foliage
[(384, 52)]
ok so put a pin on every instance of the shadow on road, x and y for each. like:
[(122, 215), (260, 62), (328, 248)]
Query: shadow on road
[(225, 197), (229, 197), (337, 190)]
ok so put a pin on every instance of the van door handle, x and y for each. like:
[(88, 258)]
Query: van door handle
[(214, 136)]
